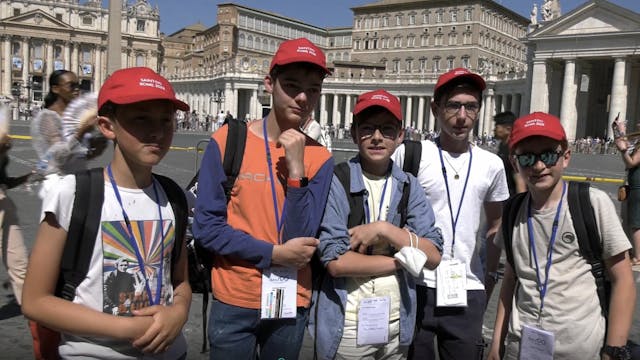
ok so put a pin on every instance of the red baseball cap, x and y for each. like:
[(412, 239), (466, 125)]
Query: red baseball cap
[(132, 85), (379, 98), (460, 74), (536, 124), (299, 50)]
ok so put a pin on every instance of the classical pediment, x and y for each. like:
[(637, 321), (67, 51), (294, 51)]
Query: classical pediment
[(36, 18), (594, 17)]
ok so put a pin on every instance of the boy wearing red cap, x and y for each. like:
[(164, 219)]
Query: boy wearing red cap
[(263, 238), (367, 274), (136, 110), (556, 312), (461, 181)]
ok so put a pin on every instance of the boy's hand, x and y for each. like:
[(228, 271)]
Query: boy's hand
[(293, 142), (363, 236), (167, 324), (296, 252), (137, 326)]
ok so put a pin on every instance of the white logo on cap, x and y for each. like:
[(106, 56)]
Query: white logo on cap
[(151, 83), (306, 50), (460, 72), (381, 97), (534, 122)]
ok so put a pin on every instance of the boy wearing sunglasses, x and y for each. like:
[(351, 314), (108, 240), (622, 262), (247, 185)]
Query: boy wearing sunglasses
[(556, 310), (366, 284)]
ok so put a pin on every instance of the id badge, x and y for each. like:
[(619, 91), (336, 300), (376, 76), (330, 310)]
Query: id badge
[(373, 321), (279, 292), (451, 284), (536, 344)]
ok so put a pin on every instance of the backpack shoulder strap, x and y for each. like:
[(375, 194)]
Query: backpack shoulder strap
[(404, 204), (83, 229), (178, 202), (233, 154), (586, 227), (412, 155), (356, 200), (510, 211)]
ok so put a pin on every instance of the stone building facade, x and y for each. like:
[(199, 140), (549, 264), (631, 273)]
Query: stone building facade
[(401, 45), (38, 37)]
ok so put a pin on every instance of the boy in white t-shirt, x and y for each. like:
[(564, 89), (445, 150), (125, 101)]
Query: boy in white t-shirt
[(549, 296), (461, 181), (136, 238)]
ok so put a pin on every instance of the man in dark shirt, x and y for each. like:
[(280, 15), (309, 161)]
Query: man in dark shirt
[(502, 131)]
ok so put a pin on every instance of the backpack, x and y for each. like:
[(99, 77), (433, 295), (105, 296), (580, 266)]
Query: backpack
[(201, 259), (85, 220), (585, 225)]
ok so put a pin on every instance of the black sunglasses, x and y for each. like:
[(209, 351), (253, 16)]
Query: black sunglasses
[(548, 158)]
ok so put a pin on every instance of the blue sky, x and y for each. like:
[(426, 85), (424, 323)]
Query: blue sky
[(176, 14)]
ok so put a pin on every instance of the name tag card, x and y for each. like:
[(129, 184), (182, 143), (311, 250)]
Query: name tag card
[(279, 285), (451, 284), (373, 321), (536, 344)]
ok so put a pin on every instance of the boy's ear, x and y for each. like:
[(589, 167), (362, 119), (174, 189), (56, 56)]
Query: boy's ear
[(400, 137), (269, 83), (106, 127)]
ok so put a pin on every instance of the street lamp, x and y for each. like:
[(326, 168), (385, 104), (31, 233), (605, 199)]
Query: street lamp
[(218, 97)]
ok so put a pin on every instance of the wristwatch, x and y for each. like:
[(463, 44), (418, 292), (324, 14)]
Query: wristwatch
[(299, 182), (617, 352)]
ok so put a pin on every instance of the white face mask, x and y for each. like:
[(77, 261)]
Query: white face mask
[(411, 257)]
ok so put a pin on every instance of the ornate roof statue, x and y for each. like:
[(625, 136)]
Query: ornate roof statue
[(534, 14)]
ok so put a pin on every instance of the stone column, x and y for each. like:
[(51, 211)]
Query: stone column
[(489, 111), (323, 111), (67, 55), (253, 112), (336, 115), (48, 69), (74, 58), (348, 115), (515, 104), (539, 87), (420, 125), (26, 61), (481, 118), (408, 111), (618, 93), (568, 109), (432, 118), (6, 64), (97, 69)]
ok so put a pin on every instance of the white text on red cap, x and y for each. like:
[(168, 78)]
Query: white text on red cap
[(381, 97), (152, 83), (307, 50), (534, 122)]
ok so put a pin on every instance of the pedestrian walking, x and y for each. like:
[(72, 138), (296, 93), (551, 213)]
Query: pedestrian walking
[(262, 239), (137, 112), (461, 180)]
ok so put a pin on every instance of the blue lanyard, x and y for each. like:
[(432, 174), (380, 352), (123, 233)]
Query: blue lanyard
[(134, 244), (542, 288), (454, 222), (279, 217)]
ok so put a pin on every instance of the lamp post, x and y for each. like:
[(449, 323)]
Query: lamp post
[(218, 98)]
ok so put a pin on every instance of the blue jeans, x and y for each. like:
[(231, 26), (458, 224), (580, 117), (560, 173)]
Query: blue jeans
[(235, 332)]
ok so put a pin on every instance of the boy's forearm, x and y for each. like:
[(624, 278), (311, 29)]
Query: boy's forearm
[(621, 307), (354, 264)]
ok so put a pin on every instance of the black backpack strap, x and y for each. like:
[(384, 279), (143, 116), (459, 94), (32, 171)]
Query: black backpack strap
[(175, 196), (83, 229), (412, 155), (356, 200), (404, 204), (510, 211), (586, 227), (233, 153)]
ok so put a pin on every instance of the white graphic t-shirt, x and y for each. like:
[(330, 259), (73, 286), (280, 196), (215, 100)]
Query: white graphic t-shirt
[(115, 282)]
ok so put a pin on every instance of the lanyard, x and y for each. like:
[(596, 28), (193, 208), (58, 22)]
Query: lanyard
[(279, 217), (542, 288), (454, 222), (134, 243)]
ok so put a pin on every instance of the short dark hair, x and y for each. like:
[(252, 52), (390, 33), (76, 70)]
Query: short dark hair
[(504, 118), (460, 82), (309, 67), (108, 110)]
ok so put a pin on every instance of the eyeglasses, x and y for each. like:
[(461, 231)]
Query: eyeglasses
[(548, 158), (388, 131), (453, 107)]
